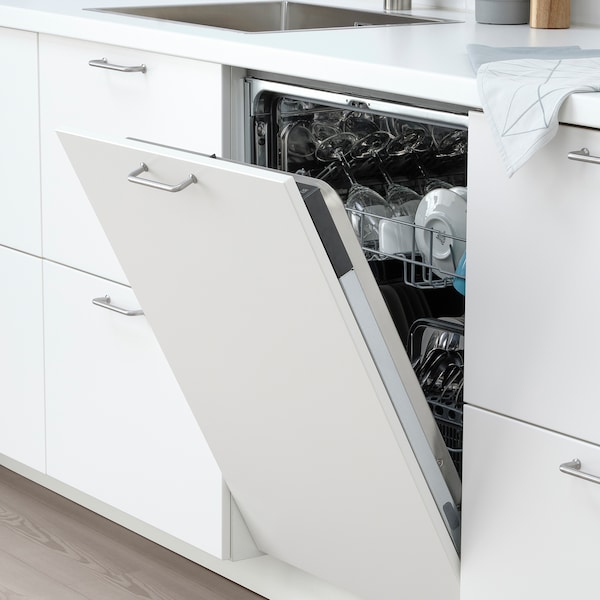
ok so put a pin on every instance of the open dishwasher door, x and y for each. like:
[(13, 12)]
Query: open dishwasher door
[(262, 301)]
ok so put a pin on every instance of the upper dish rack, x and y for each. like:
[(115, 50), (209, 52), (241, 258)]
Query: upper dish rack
[(429, 257), (381, 164)]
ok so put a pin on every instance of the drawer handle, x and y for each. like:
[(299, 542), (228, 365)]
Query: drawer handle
[(574, 468), (584, 155), (133, 177), (106, 303), (102, 63)]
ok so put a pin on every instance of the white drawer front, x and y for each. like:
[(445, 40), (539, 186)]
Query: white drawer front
[(22, 435), (530, 532), (177, 102), (118, 426), (20, 219), (533, 287)]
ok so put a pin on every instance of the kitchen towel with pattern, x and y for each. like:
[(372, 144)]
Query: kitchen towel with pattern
[(521, 96)]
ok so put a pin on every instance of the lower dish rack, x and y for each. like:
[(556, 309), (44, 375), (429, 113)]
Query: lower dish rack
[(448, 414), (437, 355)]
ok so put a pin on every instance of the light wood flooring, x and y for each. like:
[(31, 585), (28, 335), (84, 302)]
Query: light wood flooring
[(54, 549)]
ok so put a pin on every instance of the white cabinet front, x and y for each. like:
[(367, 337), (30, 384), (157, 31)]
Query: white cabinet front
[(168, 100), (118, 427), (529, 530), (533, 283), (22, 426), (238, 287), (20, 217)]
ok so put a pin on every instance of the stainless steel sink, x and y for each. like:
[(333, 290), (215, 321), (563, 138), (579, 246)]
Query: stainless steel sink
[(264, 17)]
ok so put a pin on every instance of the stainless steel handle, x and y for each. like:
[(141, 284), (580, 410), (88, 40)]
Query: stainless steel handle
[(584, 155), (105, 302), (574, 468), (391, 5), (102, 63), (133, 177)]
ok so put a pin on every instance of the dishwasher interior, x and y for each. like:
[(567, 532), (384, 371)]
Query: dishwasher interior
[(400, 171)]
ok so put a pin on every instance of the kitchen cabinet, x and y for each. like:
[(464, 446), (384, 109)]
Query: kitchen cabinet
[(165, 99), (118, 427), (22, 426), (20, 217), (533, 289), (529, 530)]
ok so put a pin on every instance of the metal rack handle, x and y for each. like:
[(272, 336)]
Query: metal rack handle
[(584, 155), (105, 302), (102, 63), (573, 468), (417, 329), (165, 187)]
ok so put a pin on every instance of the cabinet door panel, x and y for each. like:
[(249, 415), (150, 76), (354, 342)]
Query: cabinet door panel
[(533, 285), (118, 426), (529, 531), (275, 367), (22, 436), (176, 102), (20, 220)]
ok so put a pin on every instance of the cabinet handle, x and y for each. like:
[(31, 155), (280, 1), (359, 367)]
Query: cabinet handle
[(105, 303), (102, 63), (574, 468), (133, 177), (584, 155)]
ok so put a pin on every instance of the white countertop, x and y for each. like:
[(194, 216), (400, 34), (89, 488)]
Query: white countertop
[(421, 61)]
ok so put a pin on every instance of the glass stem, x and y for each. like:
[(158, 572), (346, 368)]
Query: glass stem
[(347, 168)]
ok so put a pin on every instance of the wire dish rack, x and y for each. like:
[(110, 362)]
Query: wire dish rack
[(430, 256), (436, 353), (449, 418)]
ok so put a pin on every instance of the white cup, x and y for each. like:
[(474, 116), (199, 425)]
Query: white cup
[(396, 236)]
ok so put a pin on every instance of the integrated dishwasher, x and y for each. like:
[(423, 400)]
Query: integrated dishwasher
[(316, 334), (382, 159)]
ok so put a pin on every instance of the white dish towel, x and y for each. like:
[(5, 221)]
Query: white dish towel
[(521, 97)]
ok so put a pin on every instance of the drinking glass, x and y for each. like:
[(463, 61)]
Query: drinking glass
[(364, 204), (402, 199)]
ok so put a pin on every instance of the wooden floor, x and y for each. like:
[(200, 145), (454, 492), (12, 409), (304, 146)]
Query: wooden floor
[(53, 549)]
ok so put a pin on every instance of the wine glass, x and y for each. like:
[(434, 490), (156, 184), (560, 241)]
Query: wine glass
[(364, 205), (402, 199), (358, 124), (417, 144)]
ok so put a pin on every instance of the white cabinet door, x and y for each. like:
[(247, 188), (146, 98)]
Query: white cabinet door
[(118, 427), (22, 435), (20, 221), (175, 101), (245, 302), (530, 532), (533, 283)]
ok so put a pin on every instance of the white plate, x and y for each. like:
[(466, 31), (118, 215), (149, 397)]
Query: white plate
[(446, 212)]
